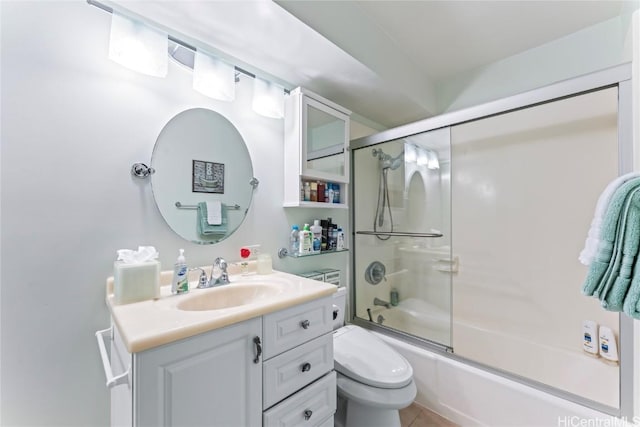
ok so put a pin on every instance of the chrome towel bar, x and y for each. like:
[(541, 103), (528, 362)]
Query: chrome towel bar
[(181, 206), (399, 234)]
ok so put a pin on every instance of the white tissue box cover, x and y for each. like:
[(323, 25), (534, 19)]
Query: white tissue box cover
[(136, 282)]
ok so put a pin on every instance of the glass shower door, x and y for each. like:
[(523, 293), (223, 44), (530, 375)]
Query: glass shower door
[(402, 223)]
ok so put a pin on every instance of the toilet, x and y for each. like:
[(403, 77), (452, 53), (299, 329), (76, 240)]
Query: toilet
[(374, 381)]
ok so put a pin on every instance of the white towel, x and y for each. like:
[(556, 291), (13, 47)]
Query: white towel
[(214, 212), (593, 236)]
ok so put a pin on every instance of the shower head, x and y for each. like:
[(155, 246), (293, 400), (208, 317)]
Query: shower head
[(386, 161)]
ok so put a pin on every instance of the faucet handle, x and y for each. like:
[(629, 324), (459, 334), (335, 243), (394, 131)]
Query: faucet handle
[(202, 281), (220, 262)]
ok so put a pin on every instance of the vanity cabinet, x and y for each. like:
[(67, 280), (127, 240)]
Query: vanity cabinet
[(316, 147), (209, 379), (274, 370)]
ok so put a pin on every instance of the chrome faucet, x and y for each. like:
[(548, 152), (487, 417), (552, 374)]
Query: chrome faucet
[(378, 301), (223, 279)]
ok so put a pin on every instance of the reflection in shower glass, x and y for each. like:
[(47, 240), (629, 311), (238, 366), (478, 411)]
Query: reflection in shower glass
[(402, 221)]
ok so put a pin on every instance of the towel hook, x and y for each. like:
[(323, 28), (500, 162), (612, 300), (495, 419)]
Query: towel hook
[(140, 170)]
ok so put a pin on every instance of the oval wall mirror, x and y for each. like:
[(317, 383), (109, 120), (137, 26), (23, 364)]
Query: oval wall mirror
[(203, 181)]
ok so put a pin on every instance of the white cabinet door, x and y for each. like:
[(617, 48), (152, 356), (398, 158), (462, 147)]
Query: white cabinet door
[(213, 379)]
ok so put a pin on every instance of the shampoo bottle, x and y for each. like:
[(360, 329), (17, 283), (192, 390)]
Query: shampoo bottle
[(590, 337), (180, 283), (608, 346)]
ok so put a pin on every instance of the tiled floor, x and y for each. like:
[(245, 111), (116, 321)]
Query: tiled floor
[(417, 416)]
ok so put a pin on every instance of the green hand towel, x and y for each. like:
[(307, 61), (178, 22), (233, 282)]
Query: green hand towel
[(605, 261), (205, 229), (612, 298)]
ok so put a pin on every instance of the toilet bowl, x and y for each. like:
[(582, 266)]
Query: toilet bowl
[(374, 381)]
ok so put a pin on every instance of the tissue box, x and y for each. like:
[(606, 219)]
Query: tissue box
[(136, 282)]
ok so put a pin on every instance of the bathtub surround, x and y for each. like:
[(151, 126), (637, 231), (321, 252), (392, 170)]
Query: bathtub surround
[(506, 266)]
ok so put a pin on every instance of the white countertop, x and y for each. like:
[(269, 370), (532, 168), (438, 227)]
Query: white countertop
[(148, 324)]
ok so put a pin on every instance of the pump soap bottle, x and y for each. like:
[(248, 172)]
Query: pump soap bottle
[(180, 283)]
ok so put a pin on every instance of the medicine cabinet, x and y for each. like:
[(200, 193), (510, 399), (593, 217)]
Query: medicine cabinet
[(316, 142)]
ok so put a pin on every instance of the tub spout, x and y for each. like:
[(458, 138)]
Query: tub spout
[(378, 301)]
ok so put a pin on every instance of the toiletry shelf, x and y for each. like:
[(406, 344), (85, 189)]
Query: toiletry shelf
[(399, 234), (284, 252), (301, 204)]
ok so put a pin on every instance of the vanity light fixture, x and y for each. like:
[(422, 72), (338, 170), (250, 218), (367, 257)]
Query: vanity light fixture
[(432, 162), (410, 155), (268, 98), (422, 157), (143, 48), (138, 46), (213, 77)]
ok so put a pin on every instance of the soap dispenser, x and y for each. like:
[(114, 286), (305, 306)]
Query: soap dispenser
[(180, 283)]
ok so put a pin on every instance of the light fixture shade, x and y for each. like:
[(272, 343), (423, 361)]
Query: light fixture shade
[(214, 78), (433, 162), (137, 46), (268, 98)]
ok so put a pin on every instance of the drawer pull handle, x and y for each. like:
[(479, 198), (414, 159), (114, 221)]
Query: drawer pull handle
[(256, 341), (307, 414), (305, 324), (306, 367)]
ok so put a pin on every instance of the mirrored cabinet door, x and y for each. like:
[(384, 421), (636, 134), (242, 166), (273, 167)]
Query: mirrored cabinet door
[(326, 132), (316, 158)]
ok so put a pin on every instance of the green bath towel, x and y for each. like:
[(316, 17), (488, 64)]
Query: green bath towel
[(612, 296), (207, 230), (606, 264), (631, 304)]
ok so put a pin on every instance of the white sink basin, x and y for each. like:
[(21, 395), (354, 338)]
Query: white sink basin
[(228, 296)]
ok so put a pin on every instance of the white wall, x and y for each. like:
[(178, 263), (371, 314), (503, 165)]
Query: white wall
[(595, 48), (73, 122)]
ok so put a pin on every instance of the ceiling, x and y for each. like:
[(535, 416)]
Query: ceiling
[(383, 60)]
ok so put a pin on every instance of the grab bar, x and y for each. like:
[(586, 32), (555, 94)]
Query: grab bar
[(112, 381), (399, 234), (181, 206)]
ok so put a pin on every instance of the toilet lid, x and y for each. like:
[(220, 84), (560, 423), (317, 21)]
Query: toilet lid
[(361, 356)]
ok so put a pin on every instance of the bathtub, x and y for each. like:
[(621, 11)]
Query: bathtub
[(468, 395)]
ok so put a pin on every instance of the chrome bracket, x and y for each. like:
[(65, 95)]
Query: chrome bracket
[(140, 170)]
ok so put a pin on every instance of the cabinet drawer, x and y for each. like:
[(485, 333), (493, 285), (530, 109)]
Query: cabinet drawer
[(289, 328), (316, 403), (328, 422), (290, 371)]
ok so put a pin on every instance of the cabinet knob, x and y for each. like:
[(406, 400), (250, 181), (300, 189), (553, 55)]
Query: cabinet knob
[(307, 414), (305, 324), (306, 367)]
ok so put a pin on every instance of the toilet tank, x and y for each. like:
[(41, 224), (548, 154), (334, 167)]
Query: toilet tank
[(339, 305)]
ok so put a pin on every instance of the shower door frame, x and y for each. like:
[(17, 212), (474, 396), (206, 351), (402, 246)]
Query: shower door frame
[(618, 76)]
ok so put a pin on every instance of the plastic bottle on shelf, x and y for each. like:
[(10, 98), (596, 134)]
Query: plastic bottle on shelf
[(294, 240), (321, 186), (316, 231), (305, 240), (336, 193), (307, 192), (314, 192), (330, 193), (340, 240)]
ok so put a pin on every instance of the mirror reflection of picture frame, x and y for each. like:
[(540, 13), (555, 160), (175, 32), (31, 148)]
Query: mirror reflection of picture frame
[(207, 177)]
